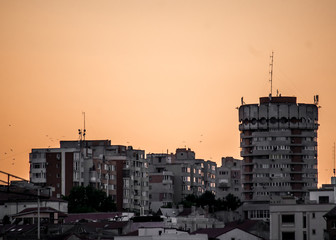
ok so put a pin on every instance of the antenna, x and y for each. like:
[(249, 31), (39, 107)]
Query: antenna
[(271, 73), (334, 159), (84, 131)]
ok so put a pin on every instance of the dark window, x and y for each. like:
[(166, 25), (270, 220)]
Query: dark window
[(288, 219), (323, 199), (313, 231), (333, 224), (288, 235)]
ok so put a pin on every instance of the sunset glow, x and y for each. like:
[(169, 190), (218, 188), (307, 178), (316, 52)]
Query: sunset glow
[(157, 74)]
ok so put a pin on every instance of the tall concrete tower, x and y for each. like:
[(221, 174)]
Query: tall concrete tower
[(278, 143)]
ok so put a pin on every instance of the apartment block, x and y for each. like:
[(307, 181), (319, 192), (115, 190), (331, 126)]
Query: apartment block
[(120, 171), (278, 140), (229, 178), (187, 175)]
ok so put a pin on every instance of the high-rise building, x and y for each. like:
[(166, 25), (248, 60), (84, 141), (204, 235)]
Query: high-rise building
[(278, 140), (175, 176), (120, 171)]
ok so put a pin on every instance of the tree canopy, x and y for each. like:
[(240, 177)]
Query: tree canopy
[(230, 202), (88, 199)]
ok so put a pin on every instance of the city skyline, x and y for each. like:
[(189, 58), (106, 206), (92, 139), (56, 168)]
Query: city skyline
[(158, 75)]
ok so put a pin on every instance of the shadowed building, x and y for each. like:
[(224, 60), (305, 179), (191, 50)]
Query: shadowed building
[(278, 140), (120, 171)]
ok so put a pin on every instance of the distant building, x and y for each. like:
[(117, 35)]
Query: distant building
[(175, 176), (278, 139), (120, 171), (229, 178), (161, 190)]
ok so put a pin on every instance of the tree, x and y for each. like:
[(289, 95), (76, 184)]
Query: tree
[(232, 202), (88, 199), (6, 220)]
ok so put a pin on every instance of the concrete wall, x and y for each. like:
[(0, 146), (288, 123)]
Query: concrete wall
[(315, 223)]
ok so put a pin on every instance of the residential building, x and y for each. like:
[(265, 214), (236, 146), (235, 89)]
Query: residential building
[(161, 190), (330, 217), (210, 171), (247, 229), (19, 196), (229, 178), (160, 233), (278, 139), (187, 175), (292, 219), (120, 171)]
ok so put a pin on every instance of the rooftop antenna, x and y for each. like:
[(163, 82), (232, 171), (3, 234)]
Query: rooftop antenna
[(84, 130), (271, 74), (334, 159)]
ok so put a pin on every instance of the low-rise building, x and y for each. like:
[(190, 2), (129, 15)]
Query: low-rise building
[(162, 234), (292, 219), (247, 229)]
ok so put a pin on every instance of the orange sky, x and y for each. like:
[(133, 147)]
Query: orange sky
[(158, 74)]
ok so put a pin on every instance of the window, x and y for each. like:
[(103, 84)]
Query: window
[(288, 235), (288, 219), (333, 224), (323, 199), (313, 231), (36, 165), (313, 215)]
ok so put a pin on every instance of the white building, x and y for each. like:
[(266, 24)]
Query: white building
[(290, 220)]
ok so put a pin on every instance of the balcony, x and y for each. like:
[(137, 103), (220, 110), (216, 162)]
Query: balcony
[(167, 181)]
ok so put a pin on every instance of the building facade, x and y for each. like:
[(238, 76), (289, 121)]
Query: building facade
[(120, 171), (278, 140), (290, 220), (229, 178), (175, 176)]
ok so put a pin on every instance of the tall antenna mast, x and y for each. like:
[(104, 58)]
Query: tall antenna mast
[(84, 130), (271, 73), (334, 159)]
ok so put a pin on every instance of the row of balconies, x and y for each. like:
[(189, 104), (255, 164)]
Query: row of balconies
[(290, 143), (256, 126), (255, 153), (285, 133)]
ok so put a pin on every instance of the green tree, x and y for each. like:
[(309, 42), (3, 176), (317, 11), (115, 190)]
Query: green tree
[(88, 199), (232, 202)]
